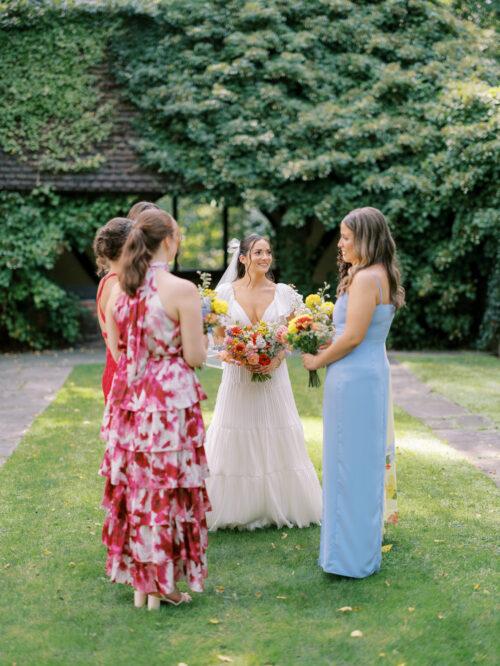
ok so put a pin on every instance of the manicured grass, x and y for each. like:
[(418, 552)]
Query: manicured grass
[(470, 379), (266, 602)]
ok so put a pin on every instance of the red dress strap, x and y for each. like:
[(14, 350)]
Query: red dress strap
[(99, 294)]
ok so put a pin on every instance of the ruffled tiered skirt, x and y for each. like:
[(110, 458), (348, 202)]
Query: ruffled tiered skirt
[(260, 473), (155, 529)]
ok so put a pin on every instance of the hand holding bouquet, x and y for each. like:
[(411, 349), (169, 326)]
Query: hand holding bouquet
[(254, 347), (213, 308), (312, 328)]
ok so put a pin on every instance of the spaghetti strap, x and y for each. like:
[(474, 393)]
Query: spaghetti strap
[(99, 294), (379, 285)]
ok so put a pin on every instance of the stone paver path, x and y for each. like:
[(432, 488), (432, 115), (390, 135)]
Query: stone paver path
[(29, 382), (475, 436)]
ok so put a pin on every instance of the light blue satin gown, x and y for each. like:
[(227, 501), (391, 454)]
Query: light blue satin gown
[(355, 422)]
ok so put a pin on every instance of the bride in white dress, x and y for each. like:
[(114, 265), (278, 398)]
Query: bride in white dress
[(260, 473)]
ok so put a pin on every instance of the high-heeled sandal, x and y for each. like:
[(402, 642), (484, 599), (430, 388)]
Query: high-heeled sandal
[(139, 598), (154, 602)]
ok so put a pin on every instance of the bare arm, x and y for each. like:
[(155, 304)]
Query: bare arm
[(194, 343), (361, 305), (112, 333)]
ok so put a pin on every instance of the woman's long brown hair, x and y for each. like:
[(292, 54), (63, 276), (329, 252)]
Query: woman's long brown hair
[(152, 226), (374, 244)]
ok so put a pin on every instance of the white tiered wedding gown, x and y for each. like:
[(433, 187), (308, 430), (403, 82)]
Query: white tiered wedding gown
[(260, 473)]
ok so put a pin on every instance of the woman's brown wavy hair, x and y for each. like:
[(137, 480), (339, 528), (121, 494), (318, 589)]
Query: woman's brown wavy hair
[(109, 241), (374, 244), (152, 226)]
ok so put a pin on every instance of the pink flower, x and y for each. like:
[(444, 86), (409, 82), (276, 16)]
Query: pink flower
[(253, 359)]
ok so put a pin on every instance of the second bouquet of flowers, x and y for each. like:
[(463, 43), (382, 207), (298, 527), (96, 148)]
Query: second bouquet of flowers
[(254, 347), (213, 309), (312, 328)]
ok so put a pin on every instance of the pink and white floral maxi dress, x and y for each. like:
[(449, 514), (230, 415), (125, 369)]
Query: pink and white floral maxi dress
[(155, 499)]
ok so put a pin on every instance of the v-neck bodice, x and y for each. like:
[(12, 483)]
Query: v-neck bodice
[(285, 301), (237, 305)]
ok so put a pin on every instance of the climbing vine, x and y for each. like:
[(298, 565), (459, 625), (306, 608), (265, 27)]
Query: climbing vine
[(51, 108), (36, 229)]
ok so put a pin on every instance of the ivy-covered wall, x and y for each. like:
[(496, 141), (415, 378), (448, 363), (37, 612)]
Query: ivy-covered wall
[(51, 113), (49, 103)]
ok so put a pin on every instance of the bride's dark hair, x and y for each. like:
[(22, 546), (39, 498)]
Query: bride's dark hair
[(246, 247)]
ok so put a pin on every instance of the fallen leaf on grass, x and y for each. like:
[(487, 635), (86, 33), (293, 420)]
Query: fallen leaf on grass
[(273, 546), (219, 589), (381, 654), (440, 616), (298, 547), (438, 540), (6, 566), (258, 595), (47, 552), (356, 633), (387, 547), (411, 609), (280, 596), (284, 535), (72, 564), (477, 586), (226, 660), (213, 620), (182, 663), (345, 609), (388, 583)]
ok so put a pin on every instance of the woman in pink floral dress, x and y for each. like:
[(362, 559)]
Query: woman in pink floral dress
[(155, 529)]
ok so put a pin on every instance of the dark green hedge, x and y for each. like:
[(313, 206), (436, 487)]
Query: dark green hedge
[(309, 109), (34, 311)]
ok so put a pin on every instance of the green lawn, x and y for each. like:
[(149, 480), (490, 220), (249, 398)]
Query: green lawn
[(266, 602), (470, 379)]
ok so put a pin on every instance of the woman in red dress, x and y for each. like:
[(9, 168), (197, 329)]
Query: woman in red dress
[(155, 529), (108, 244)]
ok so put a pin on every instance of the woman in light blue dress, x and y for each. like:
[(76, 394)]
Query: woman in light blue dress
[(357, 405)]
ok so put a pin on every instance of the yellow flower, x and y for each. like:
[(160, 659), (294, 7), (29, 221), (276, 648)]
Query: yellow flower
[(292, 328), (313, 301), (390, 486), (219, 306), (327, 307)]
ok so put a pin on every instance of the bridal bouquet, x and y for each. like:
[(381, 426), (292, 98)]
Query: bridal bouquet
[(312, 328), (254, 347), (213, 308)]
